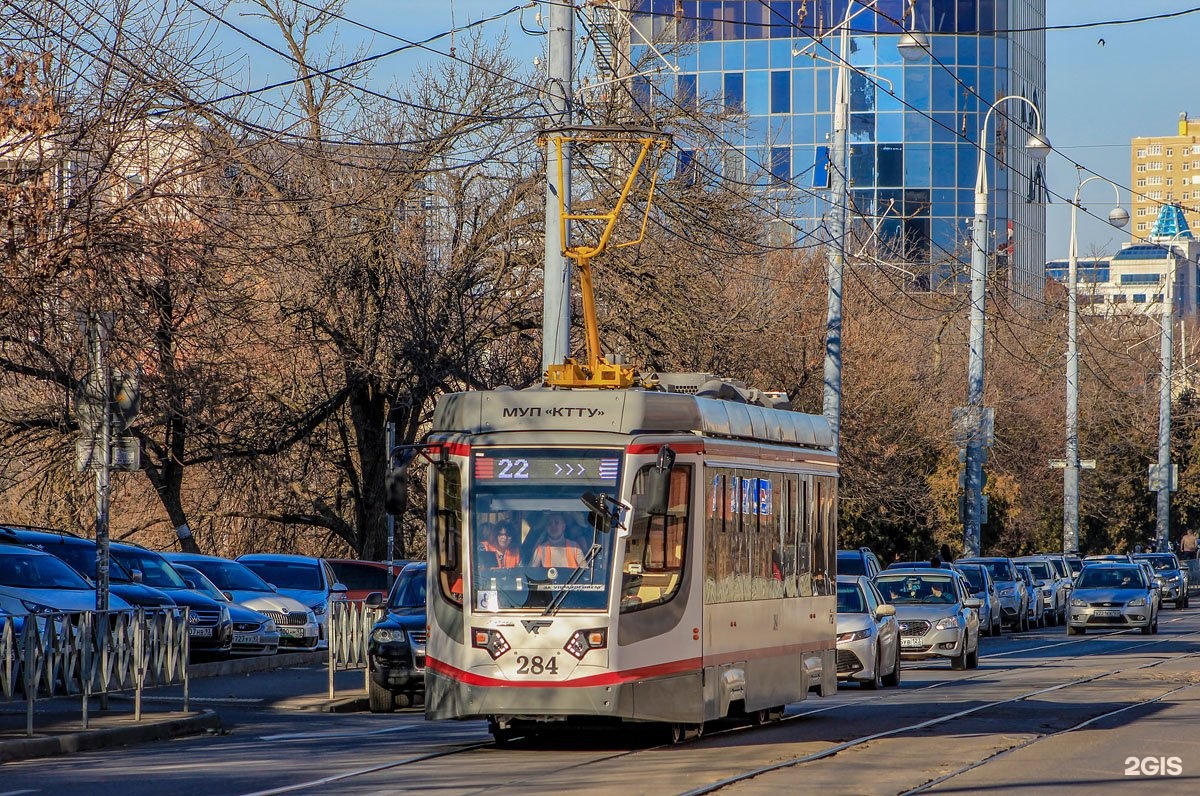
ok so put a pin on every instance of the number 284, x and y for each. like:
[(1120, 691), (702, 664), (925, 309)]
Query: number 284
[(537, 665)]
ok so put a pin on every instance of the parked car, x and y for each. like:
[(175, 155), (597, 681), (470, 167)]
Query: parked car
[(868, 640), (1037, 602), (297, 625), (210, 627), (309, 580), (981, 587), (34, 583), (1170, 576), (1014, 596), (1108, 558), (1112, 594), (81, 554), (362, 578), (858, 562), (936, 615), (396, 647), (1076, 565), (253, 633), (1050, 584)]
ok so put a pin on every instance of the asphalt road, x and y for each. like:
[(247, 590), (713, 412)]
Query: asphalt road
[(1044, 713)]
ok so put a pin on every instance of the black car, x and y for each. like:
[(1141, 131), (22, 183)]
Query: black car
[(209, 624), (80, 554), (396, 648)]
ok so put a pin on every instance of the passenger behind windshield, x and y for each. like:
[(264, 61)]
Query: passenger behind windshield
[(913, 589)]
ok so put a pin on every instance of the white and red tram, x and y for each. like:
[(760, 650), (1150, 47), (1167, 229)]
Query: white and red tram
[(718, 600)]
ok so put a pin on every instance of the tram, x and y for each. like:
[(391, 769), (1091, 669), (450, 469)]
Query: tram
[(668, 555)]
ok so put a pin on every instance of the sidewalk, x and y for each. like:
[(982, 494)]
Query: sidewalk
[(58, 727)]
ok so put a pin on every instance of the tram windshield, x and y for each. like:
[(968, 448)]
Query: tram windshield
[(535, 543)]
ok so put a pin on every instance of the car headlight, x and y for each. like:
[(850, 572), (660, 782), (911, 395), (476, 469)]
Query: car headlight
[(857, 635), (1136, 601), (1173, 579), (386, 634), (948, 623), (269, 626), (36, 608), (1006, 592), (1078, 604), (225, 614), (312, 617), (319, 609)]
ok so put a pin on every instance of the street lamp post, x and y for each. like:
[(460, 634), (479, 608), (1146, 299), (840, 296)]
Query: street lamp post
[(1162, 519), (1038, 147), (912, 46), (1118, 217)]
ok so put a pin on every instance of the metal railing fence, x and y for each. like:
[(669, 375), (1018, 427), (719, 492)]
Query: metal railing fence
[(91, 653), (349, 629)]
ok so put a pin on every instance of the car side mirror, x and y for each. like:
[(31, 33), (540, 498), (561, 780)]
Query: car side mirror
[(136, 574), (971, 602), (339, 588), (228, 595), (375, 599), (885, 610)]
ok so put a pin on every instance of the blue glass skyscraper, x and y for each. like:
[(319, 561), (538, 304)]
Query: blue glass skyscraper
[(914, 126)]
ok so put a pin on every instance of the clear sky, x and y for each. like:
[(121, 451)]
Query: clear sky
[(1099, 95)]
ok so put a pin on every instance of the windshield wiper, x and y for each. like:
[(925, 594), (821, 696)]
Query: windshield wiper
[(557, 600)]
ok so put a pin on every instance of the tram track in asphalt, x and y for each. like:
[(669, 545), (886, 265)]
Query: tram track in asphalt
[(609, 758)]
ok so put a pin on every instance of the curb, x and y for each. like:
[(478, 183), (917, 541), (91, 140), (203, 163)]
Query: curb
[(86, 740), (257, 663)]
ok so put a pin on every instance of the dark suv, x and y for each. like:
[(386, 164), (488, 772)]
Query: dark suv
[(80, 554), (858, 562), (396, 648)]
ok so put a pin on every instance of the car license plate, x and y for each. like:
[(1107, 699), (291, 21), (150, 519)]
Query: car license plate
[(206, 632), (1106, 612), (911, 641), (292, 632), (245, 638)]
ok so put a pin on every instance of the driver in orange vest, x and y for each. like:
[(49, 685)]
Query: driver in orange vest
[(555, 549), (502, 547)]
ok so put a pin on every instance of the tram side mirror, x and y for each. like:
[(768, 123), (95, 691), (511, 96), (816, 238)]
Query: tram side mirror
[(395, 484), (658, 481), (599, 517)]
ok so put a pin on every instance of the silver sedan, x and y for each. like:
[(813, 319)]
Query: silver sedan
[(1109, 595), (937, 617), (868, 643)]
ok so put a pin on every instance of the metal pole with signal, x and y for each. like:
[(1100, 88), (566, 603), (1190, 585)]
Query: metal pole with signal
[(556, 274)]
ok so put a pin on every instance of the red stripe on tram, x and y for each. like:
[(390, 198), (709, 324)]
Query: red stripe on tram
[(608, 678), (678, 447)]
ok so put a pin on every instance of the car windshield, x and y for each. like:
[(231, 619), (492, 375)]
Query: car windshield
[(999, 570), (1161, 561), (1040, 569), (38, 571), (360, 576), (299, 575), (850, 564), (531, 535), (916, 588), (155, 570), (231, 576), (82, 559), (974, 575), (850, 599), (195, 578), (409, 590), (1098, 577)]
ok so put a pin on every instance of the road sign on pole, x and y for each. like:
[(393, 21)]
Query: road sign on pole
[(125, 454)]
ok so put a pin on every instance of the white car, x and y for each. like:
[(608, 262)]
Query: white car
[(308, 580), (936, 615), (868, 642), (37, 583), (296, 623)]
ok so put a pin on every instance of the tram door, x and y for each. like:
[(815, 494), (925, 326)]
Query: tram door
[(660, 610)]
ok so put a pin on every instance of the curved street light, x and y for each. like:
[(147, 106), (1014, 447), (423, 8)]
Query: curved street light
[(1038, 146), (1118, 217)]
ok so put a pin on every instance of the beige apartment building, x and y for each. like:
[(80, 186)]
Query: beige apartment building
[(1166, 171)]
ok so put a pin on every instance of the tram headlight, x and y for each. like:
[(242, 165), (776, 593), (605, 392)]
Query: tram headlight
[(584, 641), (490, 639)]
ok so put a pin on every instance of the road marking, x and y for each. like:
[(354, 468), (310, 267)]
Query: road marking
[(218, 700), (15, 792), (294, 736)]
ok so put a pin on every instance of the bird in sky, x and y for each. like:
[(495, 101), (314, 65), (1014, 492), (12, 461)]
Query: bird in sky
[(1100, 42)]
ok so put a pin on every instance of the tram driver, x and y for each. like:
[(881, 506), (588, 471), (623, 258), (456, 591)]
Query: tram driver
[(555, 549)]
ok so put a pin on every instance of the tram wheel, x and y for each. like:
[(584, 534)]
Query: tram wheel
[(682, 733), (502, 736)]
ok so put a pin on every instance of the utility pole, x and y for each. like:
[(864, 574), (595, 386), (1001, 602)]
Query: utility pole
[(556, 290), (1162, 524), (831, 404)]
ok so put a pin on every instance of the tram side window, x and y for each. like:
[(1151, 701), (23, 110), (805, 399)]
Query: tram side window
[(448, 531), (804, 549), (824, 536), (787, 535), (656, 548), (715, 502), (766, 541)]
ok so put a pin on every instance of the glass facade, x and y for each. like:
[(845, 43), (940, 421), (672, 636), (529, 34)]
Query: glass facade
[(914, 129)]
